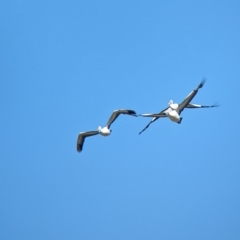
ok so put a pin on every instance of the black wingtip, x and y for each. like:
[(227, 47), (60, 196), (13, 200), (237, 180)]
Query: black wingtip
[(202, 83), (215, 105), (79, 149), (132, 112), (143, 130)]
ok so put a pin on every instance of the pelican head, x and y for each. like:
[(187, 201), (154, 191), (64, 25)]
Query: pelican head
[(170, 102)]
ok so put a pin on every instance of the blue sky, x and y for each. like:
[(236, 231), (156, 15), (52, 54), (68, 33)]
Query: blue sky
[(65, 66)]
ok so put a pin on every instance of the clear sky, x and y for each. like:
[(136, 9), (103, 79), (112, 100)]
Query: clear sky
[(65, 66)]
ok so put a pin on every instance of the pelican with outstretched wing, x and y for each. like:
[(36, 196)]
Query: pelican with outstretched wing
[(105, 131), (174, 110)]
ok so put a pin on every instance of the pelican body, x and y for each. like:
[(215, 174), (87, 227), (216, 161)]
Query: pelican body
[(104, 131), (174, 116)]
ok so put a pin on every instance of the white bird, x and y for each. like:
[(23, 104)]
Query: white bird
[(105, 131), (174, 110)]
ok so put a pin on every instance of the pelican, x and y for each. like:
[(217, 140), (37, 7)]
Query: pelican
[(174, 110), (105, 131)]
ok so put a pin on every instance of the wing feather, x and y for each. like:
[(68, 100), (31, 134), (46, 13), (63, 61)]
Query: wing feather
[(190, 105), (163, 113), (189, 98), (116, 113), (81, 138)]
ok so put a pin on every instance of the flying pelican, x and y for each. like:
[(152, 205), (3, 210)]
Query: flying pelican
[(174, 110), (105, 131)]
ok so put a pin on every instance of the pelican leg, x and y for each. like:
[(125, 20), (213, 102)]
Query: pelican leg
[(180, 121)]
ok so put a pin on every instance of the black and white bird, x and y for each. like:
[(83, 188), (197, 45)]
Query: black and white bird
[(174, 110), (105, 131)]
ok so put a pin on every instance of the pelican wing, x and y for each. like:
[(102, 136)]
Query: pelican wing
[(163, 113), (154, 115), (189, 98), (81, 138), (153, 120), (116, 113), (190, 105), (158, 115)]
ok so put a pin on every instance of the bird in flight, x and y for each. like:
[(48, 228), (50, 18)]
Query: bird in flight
[(174, 110), (105, 131)]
